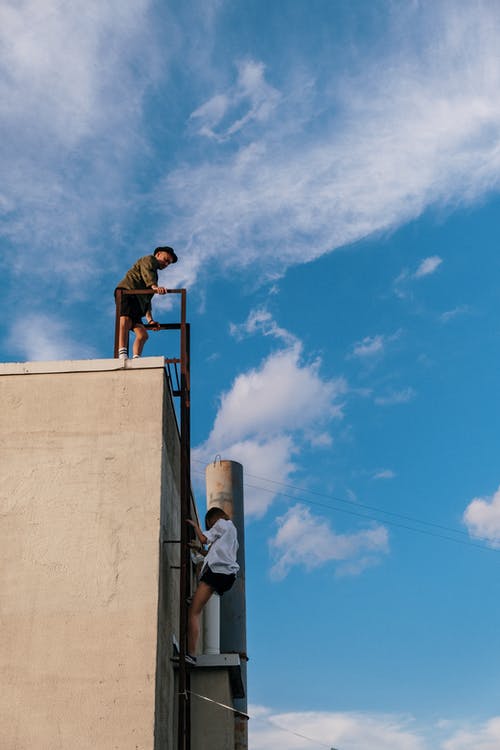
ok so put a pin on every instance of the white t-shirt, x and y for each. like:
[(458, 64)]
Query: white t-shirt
[(223, 547)]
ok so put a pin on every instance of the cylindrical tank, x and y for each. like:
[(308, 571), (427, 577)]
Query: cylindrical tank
[(224, 483), (211, 626)]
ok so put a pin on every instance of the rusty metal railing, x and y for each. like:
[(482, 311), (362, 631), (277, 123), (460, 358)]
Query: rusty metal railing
[(178, 368)]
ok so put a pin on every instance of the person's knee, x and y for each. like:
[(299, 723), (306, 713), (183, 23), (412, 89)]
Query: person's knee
[(141, 334)]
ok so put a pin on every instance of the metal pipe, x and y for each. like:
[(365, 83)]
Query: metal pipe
[(224, 482), (211, 626), (117, 320), (184, 703)]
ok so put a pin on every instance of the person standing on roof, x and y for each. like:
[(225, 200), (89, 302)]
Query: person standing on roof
[(142, 275)]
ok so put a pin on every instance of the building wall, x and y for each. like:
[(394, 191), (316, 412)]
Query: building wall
[(89, 557), (212, 726), (89, 487)]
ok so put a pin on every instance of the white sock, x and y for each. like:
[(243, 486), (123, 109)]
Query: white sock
[(136, 356), (122, 353)]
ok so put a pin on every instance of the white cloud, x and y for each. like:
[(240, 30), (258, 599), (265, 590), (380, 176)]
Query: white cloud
[(345, 731), (261, 321), (369, 346), (428, 266), (354, 730), (251, 92), (268, 411), (304, 539), (318, 439), (44, 338), (281, 394), (448, 315), (289, 174), (69, 68), (482, 518), (261, 458), (417, 127), (396, 397), (372, 346), (384, 474), (211, 113), (479, 737), (72, 82)]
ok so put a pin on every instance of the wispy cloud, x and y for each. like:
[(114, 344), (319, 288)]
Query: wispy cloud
[(426, 267), (456, 312), (369, 346), (373, 346), (482, 518), (411, 130), (294, 167), (261, 321), (396, 397), (384, 474), (306, 540), (72, 82), (221, 116)]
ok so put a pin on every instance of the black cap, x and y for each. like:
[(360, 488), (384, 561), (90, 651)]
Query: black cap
[(167, 249)]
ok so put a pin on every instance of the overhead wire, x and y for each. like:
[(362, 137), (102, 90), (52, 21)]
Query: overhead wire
[(261, 718), (362, 505), (466, 542)]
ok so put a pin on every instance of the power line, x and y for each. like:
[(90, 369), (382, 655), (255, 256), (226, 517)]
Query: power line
[(261, 718), (466, 542), (364, 505), (349, 502)]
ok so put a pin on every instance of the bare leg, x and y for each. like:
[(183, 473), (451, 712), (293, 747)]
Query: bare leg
[(125, 326), (200, 598), (141, 336)]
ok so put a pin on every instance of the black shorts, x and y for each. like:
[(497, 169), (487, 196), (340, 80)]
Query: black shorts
[(220, 582), (131, 308)]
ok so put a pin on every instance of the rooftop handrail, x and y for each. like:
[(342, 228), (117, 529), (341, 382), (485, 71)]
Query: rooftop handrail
[(161, 326)]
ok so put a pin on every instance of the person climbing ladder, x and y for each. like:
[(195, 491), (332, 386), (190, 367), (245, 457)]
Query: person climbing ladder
[(219, 570)]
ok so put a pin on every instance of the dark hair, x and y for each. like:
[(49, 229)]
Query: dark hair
[(213, 515), (167, 249)]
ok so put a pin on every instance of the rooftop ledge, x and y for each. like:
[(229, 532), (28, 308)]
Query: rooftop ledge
[(80, 365)]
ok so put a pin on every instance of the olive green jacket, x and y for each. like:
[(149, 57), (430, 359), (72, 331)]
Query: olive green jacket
[(144, 273)]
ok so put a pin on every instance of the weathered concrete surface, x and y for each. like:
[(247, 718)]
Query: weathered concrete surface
[(84, 473), (212, 726)]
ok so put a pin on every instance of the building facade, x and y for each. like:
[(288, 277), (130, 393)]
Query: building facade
[(89, 565)]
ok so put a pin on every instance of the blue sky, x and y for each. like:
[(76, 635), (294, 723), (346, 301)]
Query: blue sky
[(329, 174)]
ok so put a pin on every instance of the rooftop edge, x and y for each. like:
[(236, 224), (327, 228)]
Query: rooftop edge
[(80, 365)]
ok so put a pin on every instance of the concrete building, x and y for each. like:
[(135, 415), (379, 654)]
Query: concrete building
[(89, 565)]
